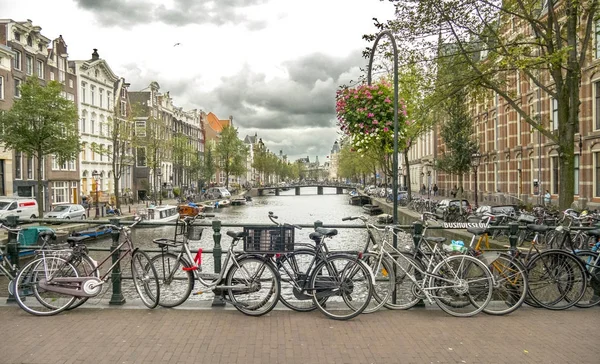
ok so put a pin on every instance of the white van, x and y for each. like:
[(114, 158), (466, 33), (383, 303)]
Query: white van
[(26, 208)]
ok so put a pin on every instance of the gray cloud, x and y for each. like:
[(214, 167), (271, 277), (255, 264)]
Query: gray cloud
[(295, 114), (126, 13)]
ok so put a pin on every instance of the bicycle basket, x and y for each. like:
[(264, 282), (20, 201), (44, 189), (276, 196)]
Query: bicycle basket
[(194, 232), (268, 239)]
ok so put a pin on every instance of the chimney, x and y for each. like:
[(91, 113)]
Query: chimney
[(95, 55)]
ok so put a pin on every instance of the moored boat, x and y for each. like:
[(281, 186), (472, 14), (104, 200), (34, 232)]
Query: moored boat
[(238, 201), (372, 209), (94, 232), (359, 200), (161, 213)]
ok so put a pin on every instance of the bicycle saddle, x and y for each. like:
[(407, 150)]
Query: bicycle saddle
[(435, 239), (236, 234), (327, 232), (50, 233), (478, 231)]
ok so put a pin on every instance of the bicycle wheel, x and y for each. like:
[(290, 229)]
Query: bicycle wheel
[(461, 285), (510, 285), (591, 263), (36, 275), (557, 279), (408, 282), (346, 283), (384, 281), (86, 267), (175, 283), (145, 278), (256, 288), (293, 268)]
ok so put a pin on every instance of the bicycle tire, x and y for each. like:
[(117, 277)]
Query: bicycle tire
[(27, 286), (145, 278), (383, 286), (175, 283), (591, 297), (557, 279), (408, 293), (510, 285), (297, 263), (86, 268), (457, 282), (250, 272), (336, 278)]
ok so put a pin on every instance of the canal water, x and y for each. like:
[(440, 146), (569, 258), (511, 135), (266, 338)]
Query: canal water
[(305, 209)]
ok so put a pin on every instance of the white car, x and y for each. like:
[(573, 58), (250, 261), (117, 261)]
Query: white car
[(218, 192)]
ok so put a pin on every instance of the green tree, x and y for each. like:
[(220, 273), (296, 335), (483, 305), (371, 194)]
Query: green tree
[(498, 44), (231, 153), (41, 123), (457, 134), (208, 164)]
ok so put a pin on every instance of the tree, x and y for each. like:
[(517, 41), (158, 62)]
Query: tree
[(41, 123), (499, 44), (231, 153), (208, 166), (457, 133)]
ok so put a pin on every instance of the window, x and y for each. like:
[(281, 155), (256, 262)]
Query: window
[(93, 123), (123, 108), (101, 126), (141, 157), (51, 76), (29, 64), (83, 91), (60, 192), (17, 87), (576, 168), (92, 94), (72, 165), (83, 120), (597, 39), (101, 152), (70, 82), (40, 69), (101, 91), (55, 166), (40, 47), (555, 175), (30, 167), (597, 104), (18, 166), (83, 151), (554, 114), (17, 64), (43, 168), (17, 36), (61, 69), (108, 103), (1, 88)]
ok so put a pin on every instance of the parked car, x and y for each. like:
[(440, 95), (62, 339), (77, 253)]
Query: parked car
[(23, 207), (483, 210), (67, 212), (369, 190), (218, 192), (448, 207)]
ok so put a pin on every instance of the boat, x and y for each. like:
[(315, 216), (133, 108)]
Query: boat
[(161, 213), (248, 198), (222, 203), (359, 200), (28, 236), (238, 201), (94, 232), (372, 209)]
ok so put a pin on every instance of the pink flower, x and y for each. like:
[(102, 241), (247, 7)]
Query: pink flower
[(386, 129), (387, 100), (375, 122), (370, 115)]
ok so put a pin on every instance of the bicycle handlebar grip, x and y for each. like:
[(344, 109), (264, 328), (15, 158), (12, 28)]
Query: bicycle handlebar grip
[(209, 215), (347, 218)]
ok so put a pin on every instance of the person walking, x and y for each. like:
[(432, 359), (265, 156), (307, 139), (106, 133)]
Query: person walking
[(435, 189), (547, 198)]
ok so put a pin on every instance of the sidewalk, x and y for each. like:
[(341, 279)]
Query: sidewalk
[(93, 334)]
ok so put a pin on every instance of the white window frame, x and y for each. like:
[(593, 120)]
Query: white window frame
[(101, 93), (83, 91), (18, 60), (92, 94), (1, 88), (554, 109), (40, 69), (18, 165), (17, 88), (30, 171), (60, 190), (29, 64)]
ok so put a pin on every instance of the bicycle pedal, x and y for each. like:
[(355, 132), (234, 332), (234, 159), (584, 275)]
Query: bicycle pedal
[(187, 269)]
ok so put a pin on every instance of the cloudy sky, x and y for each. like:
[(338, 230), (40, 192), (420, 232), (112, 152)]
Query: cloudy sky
[(274, 65)]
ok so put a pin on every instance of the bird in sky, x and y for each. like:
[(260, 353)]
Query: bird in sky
[(176, 44)]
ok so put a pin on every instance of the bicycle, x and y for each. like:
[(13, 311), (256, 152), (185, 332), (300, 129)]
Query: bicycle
[(591, 262), (460, 285), (251, 284), (56, 283), (339, 283)]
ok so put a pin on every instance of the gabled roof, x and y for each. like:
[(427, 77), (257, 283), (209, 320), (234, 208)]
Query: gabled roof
[(215, 124)]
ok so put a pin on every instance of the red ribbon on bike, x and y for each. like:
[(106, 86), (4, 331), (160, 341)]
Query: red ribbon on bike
[(197, 261)]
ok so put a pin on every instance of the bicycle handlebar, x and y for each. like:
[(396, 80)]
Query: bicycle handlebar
[(273, 217)]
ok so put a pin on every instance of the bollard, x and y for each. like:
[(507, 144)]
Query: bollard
[(117, 295), (513, 228), (217, 251), (318, 224), (12, 249)]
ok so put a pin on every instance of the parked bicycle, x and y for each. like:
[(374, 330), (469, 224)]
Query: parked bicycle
[(251, 284), (56, 283)]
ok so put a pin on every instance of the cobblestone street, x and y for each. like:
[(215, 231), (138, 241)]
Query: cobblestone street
[(125, 335)]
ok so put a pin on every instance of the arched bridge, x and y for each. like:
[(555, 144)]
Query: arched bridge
[(339, 189)]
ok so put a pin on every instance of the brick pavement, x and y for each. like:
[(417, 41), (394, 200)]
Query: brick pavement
[(121, 335)]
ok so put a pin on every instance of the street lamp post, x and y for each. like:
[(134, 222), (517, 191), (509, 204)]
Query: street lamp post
[(428, 184), (475, 157), (159, 173), (96, 177)]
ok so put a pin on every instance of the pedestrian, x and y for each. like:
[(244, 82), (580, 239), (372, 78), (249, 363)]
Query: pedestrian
[(423, 189), (454, 191), (435, 189), (547, 198)]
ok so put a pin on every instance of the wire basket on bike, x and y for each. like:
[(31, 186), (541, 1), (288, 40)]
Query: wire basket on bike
[(194, 232), (268, 239)]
